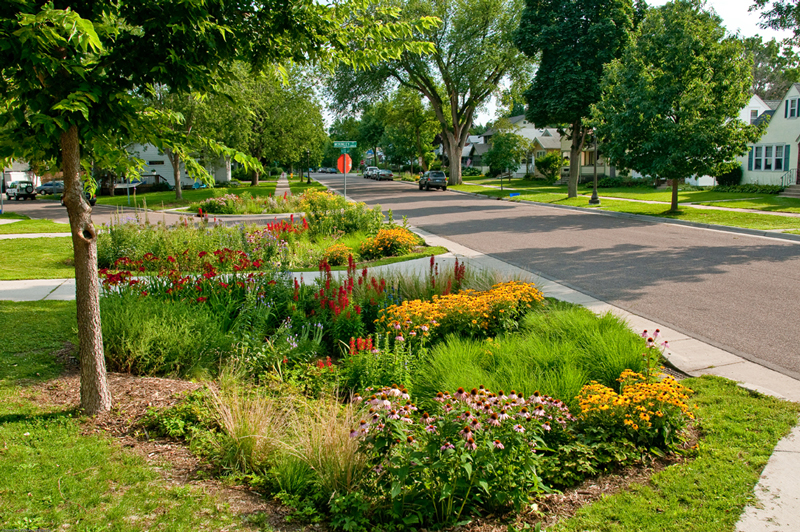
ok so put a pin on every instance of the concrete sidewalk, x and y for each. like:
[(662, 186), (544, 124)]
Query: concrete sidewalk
[(777, 506)]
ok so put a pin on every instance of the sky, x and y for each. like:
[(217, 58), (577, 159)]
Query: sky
[(735, 17)]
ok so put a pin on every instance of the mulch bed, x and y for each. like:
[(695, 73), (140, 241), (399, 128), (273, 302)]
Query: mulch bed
[(133, 396)]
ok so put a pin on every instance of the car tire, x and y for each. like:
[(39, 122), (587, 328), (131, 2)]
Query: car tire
[(420, 187), (444, 189), (428, 187)]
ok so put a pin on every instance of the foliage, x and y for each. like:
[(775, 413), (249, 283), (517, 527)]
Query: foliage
[(573, 462), (730, 176), (780, 15), (750, 188), (658, 115), (389, 242), (410, 130), (329, 213), (470, 171), (244, 203), (475, 453), (558, 350), (618, 182), (574, 41), (774, 68), (454, 89), (506, 151), (550, 165)]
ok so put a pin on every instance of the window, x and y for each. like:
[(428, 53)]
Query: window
[(540, 153), (769, 158), (155, 163), (790, 109), (753, 116)]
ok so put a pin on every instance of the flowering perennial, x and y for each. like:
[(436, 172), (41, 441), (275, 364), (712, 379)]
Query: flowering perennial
[(650, 411), (389, 242), (469, 311)]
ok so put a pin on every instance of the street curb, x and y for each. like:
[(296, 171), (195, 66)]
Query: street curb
[(650, 219)]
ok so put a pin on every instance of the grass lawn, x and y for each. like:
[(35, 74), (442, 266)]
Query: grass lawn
[(52, 476), (26, 225), (706, 494), (296, 187), (771, 203), (547, 194), (166, 199), (36, 258)]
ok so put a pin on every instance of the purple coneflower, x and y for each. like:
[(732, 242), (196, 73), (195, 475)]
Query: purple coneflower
[(519, 428), (498, 445), (471, 445)]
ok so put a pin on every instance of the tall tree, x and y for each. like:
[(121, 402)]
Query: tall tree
[(780, 15), (413, 126), (574, 40), (372, 127), (667, 103), (775, 68), (473, 53), (69, 76)]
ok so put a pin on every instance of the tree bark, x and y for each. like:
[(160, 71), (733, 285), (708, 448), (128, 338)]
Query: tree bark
[(576, 149), (254, 179), (674, 206), (175, 160), (95, 395)]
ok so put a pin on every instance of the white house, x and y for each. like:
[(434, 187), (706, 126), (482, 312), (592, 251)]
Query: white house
[(158, 164), (773, 159)]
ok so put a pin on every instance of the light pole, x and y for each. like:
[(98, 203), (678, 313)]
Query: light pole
[(595, 200), (308, 162)]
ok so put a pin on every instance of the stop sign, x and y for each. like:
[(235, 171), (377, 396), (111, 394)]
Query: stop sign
[(345, 163)]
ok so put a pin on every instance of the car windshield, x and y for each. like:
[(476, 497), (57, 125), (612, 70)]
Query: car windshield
[(437, 174)]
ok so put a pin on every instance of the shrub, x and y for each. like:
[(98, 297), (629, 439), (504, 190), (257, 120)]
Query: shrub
[(329, 214), (550, 166), (749, 189), (730, 175), (390, 242), (471, 171), (337, 254), (241, 174), (618, 182), (144, 336), (160, 187)]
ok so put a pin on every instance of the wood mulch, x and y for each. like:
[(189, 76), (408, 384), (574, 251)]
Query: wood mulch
[(133, 396)]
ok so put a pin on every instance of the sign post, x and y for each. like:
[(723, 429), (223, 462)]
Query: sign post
[(345, 163)]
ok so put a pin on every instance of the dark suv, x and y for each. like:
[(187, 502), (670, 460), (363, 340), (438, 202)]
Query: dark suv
[(433, 179)]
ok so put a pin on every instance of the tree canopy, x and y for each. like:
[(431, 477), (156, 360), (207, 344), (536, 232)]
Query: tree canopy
[(775, 67), (71, 73), (473, 52), (574, 39), (669, 104)]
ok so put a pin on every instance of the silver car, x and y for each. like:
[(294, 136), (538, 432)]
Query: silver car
[(433, 179), (51, 187)]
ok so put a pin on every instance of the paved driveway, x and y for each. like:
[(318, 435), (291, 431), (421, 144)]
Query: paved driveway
[(736, 291)]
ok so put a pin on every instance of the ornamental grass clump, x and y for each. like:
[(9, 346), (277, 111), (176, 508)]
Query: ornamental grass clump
[(474, 452)]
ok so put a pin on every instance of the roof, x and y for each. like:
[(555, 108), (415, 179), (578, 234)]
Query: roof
[(764, 117), (481, 149), (772, 104), (549, 142), (465, 151), (513, 120)]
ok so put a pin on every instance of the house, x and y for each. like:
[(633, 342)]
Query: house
[(773, 159), (543, 141), (18, 171), (158, 167)]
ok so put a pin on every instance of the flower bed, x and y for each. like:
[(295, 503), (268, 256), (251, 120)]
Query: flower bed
[(245, 203)]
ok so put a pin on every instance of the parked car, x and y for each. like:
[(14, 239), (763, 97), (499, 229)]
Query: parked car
[(385, 175), (91, 199), (370, 171), (51, 187), (20, 190), (433, 179)]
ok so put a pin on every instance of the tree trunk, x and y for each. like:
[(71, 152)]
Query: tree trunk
[(254, 179), (454, 145), (175, 160), (674, 206), (95, 395), (576, 149)]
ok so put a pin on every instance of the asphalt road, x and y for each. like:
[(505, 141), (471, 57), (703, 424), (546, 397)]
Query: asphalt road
[(738, 292)]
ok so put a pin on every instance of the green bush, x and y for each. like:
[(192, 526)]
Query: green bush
[(730, 175), (618, 182), (749, 189), (145, 336), (241, 174), (550, 166), (471, 171)]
